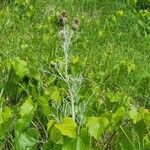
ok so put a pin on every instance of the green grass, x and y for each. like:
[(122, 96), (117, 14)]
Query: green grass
[(109, 54)]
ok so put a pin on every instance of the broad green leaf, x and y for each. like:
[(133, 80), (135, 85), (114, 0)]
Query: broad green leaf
[(27, 140), (35, 74), (43, 102), (76, 144), (56, 95), (97, 126), (67, 127), (27, 107), (117, 116), (20, 67), (23, 123), (49, 145), (7, 114), (56, 136), (127, 100), (114, 97), (50, 123), (26, 114), (135, 115), (6, 120)]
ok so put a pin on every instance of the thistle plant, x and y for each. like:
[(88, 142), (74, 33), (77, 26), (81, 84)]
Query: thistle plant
[(73, 82)]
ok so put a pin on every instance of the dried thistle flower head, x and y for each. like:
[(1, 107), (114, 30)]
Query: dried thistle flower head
[(64, 14), (75, 24), (63, 18)]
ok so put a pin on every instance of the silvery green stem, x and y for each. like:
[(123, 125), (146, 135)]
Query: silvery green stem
[(66, 42), (65, 48), (72, 104)]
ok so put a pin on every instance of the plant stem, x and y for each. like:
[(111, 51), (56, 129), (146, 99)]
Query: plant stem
[(72, 104), (66, 43), (65, 48)]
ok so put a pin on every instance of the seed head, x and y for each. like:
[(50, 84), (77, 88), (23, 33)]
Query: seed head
[(62, 19), (64, 14), (75, 24)]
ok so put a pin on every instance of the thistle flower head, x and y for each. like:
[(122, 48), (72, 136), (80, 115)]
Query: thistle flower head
[(63, 18), (75, 24), (64, 14)]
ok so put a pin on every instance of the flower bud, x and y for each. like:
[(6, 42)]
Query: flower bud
[(63, 18), (75, 24)]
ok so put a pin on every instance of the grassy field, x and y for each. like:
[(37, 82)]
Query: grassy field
[(82, 84)]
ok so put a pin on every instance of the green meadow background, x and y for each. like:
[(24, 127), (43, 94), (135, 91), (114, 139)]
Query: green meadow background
[(107, 83)]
